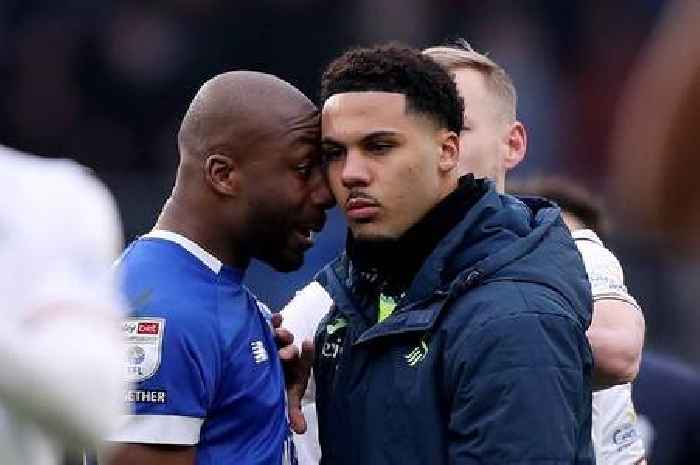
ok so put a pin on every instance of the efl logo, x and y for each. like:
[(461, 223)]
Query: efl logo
[(148, 328)]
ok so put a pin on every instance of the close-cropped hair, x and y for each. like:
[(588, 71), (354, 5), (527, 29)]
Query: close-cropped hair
[(571, 197), (461, 55), (428, 87)]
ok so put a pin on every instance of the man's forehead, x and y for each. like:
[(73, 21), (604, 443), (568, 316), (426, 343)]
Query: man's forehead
[(355, 115), (366, 102), (304, 125)]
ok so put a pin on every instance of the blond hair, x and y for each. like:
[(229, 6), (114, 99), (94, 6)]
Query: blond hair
[(463, 56)]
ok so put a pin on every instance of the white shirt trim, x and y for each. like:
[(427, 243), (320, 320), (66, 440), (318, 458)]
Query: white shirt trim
[(159, 429), (586, 234), (192, 247)]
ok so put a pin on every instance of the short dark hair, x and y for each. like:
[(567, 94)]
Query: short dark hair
[(429, 89), (571, 197)]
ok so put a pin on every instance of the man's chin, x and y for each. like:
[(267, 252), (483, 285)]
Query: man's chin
[(371, 233)]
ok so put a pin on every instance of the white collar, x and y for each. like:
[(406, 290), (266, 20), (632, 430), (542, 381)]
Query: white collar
[(192, 247)]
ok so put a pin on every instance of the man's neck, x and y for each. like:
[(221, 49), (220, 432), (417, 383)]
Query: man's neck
[(396, 262), (193, 224)]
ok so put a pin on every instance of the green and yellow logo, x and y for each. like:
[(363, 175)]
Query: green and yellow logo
[(387, 305), (337, 324)]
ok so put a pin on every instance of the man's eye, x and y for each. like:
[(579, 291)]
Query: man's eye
[(304, 169), (379, 147), (332, 153)]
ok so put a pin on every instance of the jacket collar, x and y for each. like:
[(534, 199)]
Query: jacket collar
[(497, 231), (390, 266)]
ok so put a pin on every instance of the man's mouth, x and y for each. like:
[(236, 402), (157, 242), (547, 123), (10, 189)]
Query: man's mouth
[(361, 208)]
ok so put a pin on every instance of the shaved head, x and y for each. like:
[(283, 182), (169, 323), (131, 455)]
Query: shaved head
[(234, 110), (250, 180)]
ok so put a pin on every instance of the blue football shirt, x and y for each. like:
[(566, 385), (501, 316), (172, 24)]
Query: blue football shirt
[(202, 357)]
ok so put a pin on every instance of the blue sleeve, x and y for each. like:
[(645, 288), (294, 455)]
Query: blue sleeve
[(520, 392), (174, 374), (187, 370)]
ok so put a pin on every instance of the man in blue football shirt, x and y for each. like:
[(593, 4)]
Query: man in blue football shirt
[(209, 386)]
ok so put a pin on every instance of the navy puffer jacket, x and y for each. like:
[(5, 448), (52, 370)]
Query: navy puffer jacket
[(484, 361)]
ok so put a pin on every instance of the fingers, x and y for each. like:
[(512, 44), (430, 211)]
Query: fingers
[(307, 353), (283, 337), (296, 417), (297, 421), (277, 320), (297, 380), (288, 353)]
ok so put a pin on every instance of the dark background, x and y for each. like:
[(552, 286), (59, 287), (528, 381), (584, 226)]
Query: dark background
[(106, 82)]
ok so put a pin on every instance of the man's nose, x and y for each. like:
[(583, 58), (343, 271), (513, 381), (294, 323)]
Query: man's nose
[(355, 171)]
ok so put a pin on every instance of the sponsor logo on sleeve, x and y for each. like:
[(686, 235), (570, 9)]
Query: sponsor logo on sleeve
[(140, 396), (144, 344), (148, 327), (624, 436), (259, 352)]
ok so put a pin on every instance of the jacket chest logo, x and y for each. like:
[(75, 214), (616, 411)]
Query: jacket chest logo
[(333, 342), (418, 353)]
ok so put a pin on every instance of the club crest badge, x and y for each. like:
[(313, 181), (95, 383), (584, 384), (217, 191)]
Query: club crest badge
[(144, 343)]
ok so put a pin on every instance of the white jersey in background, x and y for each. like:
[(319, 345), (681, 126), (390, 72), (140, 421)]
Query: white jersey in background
[(301, 317), (615, 437), (60, 345)]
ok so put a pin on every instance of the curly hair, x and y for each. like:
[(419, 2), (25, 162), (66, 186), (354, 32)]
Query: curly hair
[(395, 68)]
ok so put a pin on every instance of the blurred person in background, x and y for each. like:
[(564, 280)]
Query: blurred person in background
[(491, 127), (616, 432), (61, 351), (666, 391), (493, 142), (391, 122), (209, 385)]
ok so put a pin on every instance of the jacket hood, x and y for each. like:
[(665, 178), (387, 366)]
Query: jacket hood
[(507, 238)]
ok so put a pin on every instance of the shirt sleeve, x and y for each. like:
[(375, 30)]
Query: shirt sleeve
[(604, 270), (173, 364), (616, 437)]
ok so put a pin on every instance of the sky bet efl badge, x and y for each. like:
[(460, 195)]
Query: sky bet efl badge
[(144, 340)]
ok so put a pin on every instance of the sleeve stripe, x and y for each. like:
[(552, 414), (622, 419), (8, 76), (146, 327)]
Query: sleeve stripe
[(159, 429), (587, 239), (610, 296)]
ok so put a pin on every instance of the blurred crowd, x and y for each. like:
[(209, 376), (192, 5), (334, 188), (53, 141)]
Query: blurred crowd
[(106, 82)]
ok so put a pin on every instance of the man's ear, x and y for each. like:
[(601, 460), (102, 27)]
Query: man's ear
[(517, 146), (222, 174), (449, 151)]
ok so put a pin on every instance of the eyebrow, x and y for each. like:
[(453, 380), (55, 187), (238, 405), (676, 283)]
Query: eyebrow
[(370, 136)]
